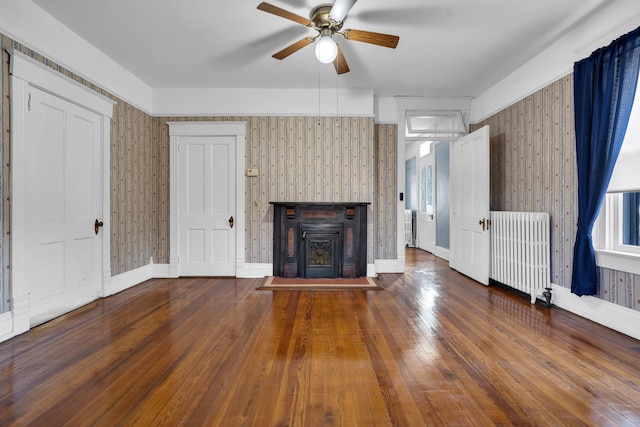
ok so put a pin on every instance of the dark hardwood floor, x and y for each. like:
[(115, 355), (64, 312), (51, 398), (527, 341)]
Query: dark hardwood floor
[(433, 348)]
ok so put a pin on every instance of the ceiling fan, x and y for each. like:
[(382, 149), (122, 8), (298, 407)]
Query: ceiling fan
[(328, 20)]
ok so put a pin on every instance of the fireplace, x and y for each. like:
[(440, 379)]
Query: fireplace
[(320, 240)]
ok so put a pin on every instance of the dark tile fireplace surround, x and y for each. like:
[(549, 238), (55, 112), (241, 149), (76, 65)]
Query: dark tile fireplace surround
[(319, 240)]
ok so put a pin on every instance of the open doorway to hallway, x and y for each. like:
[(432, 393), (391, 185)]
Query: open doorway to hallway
[(427, 206)]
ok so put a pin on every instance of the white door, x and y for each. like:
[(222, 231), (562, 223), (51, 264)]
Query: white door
[(470, 241), (207, 200), (426, 228), (63, 200)]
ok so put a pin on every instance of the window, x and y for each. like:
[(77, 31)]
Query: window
[(425, 148), (616, 235), (426, 190), (630, 215), (617, 226)]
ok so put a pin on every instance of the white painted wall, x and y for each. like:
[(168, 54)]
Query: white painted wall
[(263, 102), (386, 109)]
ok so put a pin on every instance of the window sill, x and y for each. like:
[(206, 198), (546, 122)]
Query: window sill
[(621, 261)]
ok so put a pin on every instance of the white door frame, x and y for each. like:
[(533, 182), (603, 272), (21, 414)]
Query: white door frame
[(27, 72), (220, 128), (462, 104)]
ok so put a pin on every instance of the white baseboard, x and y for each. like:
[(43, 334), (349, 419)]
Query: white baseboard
[(389, 266), (371, 270), (131, 278), (6, 325), (614, 316), (174, 268), (16, 321), (243, 271), (254, 270), (21, 307), (161, 271), (37, 319), (443, 253)]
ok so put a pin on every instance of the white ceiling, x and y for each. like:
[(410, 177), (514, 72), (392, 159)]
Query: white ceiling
[(447, 47)]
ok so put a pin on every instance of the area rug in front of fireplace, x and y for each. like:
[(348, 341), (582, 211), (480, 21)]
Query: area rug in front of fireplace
[(273, 283)]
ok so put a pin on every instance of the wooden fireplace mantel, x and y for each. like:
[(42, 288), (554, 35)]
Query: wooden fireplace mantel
[(339, 227)]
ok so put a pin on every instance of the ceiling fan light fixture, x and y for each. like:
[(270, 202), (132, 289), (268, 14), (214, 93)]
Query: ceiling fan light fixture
[(326, 49), (328, 20), (340, 9)]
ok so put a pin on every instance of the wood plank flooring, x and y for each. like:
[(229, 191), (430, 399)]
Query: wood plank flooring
[(434, 348)]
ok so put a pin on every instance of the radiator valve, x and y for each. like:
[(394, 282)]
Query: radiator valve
[(547, 296)]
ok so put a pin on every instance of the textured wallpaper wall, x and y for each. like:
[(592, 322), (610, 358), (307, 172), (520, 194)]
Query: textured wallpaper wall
[(325, 159), (620, 288), (132, 197), (305, 159), (533, 168), (385, 191)]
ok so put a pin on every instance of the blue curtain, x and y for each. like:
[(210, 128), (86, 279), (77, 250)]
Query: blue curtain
[(604, 88)]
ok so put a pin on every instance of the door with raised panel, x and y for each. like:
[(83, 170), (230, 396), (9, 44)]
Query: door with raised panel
[(470, 240), (426, 227), (63, 200), (207, 200)]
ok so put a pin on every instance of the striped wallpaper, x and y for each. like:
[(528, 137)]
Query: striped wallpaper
[(385, 188), (305, 159), (533, 168), (132, 197), (299, 159), (619, 288)]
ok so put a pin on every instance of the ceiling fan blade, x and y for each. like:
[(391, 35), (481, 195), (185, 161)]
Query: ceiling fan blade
[(269, 8), (418, 15), (340, 9), (340, 63), (293, 48), (385, 40)]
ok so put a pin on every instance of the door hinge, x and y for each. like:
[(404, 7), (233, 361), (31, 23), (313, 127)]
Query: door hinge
[(29, 103)]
